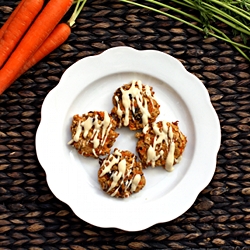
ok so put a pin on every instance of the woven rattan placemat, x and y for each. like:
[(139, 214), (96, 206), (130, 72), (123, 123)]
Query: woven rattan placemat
[(31, 217)]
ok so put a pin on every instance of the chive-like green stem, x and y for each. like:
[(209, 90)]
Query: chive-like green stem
[(234, 24), (232, 8), (246, 13), (211, 30), (174, 9), (245, 28), (161, 12), (186, 22), (205, 7), (76, 12)]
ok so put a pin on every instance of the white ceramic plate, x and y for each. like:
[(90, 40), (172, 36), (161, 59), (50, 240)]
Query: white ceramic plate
[(89, 85)]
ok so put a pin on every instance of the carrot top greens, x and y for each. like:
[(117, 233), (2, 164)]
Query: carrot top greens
[(76, 12), (233, 13)]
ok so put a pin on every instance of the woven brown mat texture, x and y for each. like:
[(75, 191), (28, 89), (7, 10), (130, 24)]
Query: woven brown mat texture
[(31, 217)]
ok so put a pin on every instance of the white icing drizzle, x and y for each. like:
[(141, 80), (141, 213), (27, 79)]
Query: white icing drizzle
[(135, 182), (131, 96), (145, 129), (110, 162), (120, 174), (107, 125), (94, 153), (151, 155), (78, 132), (166, 135), (148, 92), (170, 158), (85, 126), (116, 176), (119, 111)]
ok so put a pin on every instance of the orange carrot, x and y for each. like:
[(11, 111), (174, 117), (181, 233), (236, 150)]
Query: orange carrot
[(9, 20), (20, 22), (33, 39), (57, 37)]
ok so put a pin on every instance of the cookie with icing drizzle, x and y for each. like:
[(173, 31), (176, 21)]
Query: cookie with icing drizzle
[(93, 133), (120, 174), (161, 144), (135, 105)]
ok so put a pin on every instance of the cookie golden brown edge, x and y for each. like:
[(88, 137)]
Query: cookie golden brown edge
[(120, 174), (93, 133), (134, 105), (161, 144)]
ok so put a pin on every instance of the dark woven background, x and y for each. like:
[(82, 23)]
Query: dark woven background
[(30, 215)]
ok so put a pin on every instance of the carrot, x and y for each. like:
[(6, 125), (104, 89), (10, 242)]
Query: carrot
[(33, 39), (18, 24), (9, 20), (57, 37)]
